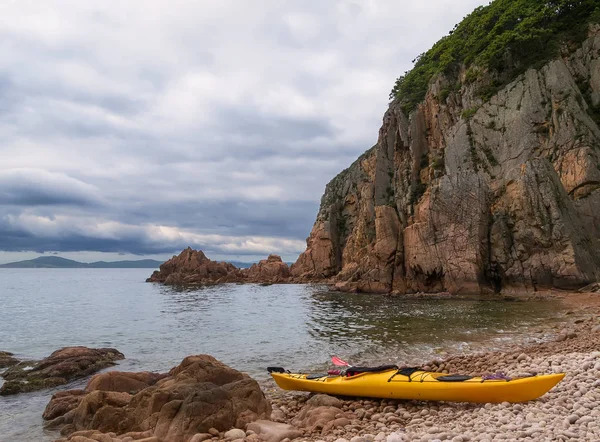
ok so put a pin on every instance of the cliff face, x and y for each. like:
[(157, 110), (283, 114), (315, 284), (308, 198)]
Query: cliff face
[(471, 196)]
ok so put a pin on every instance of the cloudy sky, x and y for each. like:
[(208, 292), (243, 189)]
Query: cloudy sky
[(136, 128)]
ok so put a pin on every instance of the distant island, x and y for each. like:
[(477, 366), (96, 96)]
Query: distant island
[(56, 262)]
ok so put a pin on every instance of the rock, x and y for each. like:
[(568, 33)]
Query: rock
[(522, 357), (63, 402), (475, 204), (59, 368), (591, 288), (193, 267), (123, 381), (98, 436), (273, 431), (324, 400), (278, 415), (234, 434), (321, 413), (561, 337), (200, 437), (201, 395), (7, 360), (270, 270)]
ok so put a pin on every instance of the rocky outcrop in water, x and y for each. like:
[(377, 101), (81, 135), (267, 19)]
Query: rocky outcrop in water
[(193, 267), (7, 360), (199, 396), (59, 368), (472, 196), (270, 270)]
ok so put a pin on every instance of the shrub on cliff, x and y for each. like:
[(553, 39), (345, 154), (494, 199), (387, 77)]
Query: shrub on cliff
[(506, 37)]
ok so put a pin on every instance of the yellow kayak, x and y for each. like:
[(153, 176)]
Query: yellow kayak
[(419, 385)]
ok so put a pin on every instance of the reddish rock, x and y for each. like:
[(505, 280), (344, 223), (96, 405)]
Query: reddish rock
[(59, 368), (193, 267), (274, 431), (63, 402), (322, 413), (98, 436), (319, 260), (272, 269), (123, 382), (198, 395), (60, 409)]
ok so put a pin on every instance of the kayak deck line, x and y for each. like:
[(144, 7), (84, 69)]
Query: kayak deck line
[(420, 385)]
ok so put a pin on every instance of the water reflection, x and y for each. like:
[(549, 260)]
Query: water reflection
[(385, 328)]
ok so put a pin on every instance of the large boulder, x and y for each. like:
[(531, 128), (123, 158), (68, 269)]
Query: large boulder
[(198, 395), (59, 368), (60, 410)]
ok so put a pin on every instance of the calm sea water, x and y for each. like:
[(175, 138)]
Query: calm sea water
[(246, 326)]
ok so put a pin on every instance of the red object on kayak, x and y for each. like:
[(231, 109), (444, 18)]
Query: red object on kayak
[(339, 362)]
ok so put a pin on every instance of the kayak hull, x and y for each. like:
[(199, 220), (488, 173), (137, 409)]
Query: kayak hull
[(422, 386)]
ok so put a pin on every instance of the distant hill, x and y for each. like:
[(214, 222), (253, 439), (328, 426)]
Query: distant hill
[(56, 262)]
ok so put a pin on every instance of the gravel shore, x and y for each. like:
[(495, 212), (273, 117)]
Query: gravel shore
[(570, 411)]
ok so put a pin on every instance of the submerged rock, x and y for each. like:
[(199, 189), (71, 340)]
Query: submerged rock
[(7, 360), (198, 396), (59, 368)]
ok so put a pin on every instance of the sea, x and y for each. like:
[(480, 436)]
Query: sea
[(248, 327)]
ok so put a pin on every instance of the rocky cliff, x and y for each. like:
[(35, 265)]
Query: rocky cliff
[(472, 195)]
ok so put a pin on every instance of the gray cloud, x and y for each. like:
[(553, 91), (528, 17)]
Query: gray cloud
[(35, 187), (144, 127)]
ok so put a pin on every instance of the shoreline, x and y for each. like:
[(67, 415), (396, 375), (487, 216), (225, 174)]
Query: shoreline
[(570, 411), (568, 345)]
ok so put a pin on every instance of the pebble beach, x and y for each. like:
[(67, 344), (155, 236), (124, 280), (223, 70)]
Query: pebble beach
[(570, 411)]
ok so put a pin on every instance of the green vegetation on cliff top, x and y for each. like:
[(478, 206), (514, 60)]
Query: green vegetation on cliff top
[(506, 38)]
